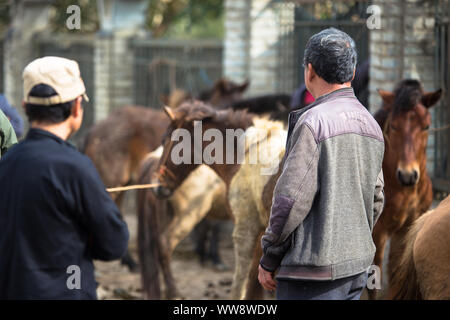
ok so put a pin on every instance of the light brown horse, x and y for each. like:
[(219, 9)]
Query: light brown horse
[(423, 271), (249, 185), (405, 120)]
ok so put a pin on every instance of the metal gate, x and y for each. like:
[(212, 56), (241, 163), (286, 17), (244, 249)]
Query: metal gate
[(160, 66), (441, 179), (310, 17)]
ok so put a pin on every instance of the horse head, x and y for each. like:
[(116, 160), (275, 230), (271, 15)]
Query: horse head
[(188, 142), (406, 129), (224, 93)]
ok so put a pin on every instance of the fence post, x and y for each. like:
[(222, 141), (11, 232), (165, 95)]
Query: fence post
[(113, 80)]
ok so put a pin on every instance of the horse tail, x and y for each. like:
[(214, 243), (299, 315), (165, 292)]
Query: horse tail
[(254, 289), (148, 233), (404, 282)]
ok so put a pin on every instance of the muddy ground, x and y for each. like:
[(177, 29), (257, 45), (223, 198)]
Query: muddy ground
[(194, 281)]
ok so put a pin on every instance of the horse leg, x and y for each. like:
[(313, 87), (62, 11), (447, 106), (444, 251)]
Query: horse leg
[(380, 237), (127, 259), (245, 238), (169, 280), (200, 237), (213, 253)]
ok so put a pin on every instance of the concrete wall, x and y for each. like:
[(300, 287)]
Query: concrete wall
[(403, 47), (250, 51), (29, 18), (113, 63)]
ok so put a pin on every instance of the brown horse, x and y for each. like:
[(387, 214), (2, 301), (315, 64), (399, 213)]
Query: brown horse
[(163, 223), (405, 120), (423, 271), (246, 182), (118, 144)]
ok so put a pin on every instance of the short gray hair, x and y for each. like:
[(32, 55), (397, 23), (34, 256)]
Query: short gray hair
[(332, 54)]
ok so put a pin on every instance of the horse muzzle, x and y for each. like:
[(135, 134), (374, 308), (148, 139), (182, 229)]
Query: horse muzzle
[(408, 178), (162, 192)]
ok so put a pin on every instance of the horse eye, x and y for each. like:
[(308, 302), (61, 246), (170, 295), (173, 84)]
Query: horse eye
[(426, 128), (393, 128)]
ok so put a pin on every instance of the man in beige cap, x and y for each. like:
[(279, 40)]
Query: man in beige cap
[(56, 216)]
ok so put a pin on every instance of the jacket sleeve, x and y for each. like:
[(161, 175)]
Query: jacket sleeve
[(108, 231), (293, 196), (378, 200), (7, 135)]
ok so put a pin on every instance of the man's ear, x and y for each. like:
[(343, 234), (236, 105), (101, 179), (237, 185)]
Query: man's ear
[(388, 98), (77, 108), (310, 72)]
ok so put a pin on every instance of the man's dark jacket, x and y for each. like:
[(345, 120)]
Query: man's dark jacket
[(54, 213)]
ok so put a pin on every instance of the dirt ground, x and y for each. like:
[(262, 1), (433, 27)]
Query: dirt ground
[(194, 281)]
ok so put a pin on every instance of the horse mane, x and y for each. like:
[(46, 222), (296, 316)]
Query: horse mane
[(199, 111), (408, 94)]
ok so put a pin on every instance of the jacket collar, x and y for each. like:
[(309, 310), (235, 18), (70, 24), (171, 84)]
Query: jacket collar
[(339, 93), (296, 114), (37, 134)]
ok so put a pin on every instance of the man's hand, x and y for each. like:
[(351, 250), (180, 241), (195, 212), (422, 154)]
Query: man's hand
[(266, 279)]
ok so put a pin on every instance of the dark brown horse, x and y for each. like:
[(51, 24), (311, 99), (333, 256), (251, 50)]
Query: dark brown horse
[(405, 120)]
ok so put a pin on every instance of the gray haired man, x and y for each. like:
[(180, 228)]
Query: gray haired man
[(330, 191)]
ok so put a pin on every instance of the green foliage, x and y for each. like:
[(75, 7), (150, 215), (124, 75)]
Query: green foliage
[(186, 18), (4, 14), (166, 18)]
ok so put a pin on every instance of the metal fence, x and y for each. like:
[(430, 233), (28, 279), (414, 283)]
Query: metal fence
[(160, 66), (80, 49), (441, 179), (308, 18)]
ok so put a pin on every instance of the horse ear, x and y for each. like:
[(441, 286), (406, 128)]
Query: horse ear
[(222, 85), (429, 99), (169, 113), (388, 98), (243, 86)]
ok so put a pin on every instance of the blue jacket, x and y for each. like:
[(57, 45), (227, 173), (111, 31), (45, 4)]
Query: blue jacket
[(54, 213)]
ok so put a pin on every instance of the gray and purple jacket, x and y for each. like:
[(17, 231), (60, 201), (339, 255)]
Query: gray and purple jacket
[(329, 194)]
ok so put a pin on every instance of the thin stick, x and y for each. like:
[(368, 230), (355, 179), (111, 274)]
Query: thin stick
[(440, 128), (136, 186)]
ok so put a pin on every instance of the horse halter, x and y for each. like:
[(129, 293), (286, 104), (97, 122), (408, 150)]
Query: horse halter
[(163, 170)]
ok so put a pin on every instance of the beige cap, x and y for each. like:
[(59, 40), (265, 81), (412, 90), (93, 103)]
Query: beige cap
[(62, 74)]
